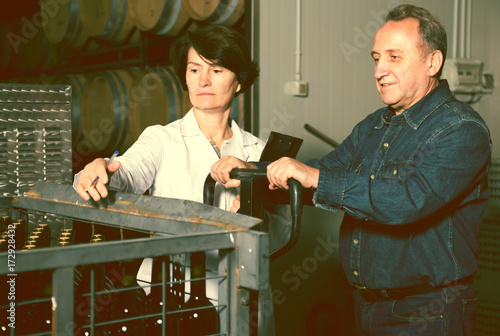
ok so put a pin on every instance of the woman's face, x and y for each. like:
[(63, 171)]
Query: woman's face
[(211, 87)]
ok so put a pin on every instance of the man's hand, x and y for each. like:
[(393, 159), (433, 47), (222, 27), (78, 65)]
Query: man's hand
[(285, 168), (97, 168), (220, 170)]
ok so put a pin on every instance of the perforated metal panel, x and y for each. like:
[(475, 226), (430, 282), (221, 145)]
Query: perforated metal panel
[(35, 136), (487, 322), (494, 185), (488, 275), (486, 280)]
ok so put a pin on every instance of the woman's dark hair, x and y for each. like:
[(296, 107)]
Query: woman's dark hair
[(219, 45), (431, 30)]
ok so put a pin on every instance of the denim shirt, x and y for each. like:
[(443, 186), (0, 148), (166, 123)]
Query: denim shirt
[(413, 187)]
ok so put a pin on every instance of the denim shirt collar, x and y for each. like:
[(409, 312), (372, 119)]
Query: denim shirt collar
[(416, 114)]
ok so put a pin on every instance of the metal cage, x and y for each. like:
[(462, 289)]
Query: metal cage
[(180, 228)]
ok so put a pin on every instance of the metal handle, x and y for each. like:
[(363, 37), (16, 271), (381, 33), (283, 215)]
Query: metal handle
[(296, 205), (209, 190), (296, 201)]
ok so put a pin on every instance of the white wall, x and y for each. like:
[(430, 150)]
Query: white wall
[(337, 37), (485, 46)]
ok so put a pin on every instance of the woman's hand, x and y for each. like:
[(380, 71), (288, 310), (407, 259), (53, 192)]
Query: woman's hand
[(86, 186), (220, 170)]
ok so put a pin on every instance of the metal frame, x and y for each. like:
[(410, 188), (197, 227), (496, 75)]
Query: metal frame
[(251, 115), (192, 227)]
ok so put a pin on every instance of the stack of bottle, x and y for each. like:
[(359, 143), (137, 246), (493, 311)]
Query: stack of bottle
[(161, 298), (93, 291), (66, 237), (105, 301), (34, 309), (205, 320), (107, 294), (13, 233), (196, 316)]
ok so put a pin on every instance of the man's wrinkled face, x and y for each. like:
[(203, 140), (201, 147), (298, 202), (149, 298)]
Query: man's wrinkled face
[(402, 73)]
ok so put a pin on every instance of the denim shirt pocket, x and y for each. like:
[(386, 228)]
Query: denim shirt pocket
[(392, 170)]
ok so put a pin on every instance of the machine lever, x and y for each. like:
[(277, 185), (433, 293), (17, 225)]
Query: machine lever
[(250, 177)]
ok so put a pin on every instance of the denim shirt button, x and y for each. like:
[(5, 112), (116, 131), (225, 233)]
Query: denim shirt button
[(355, 273), (386, 144), (355, 241), (372, 176), (395, 172)]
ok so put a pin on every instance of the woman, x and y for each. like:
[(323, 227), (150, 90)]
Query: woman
[(173, 161)]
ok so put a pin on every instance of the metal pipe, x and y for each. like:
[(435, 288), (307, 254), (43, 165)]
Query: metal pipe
[(454, 37), (468, 30), (461, 53), (320, 135), (298, 52)]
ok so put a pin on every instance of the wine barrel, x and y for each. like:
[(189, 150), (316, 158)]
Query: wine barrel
[(161, 17), (7, 56), (77, 82), (43, 79), (155, 98), (186, 103), (109, 20), (237, 109), (104, 112), (36, 53), (225, 12), (64, 25)]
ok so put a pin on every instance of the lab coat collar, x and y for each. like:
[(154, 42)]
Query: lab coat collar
[(189, 128), (189, 125)]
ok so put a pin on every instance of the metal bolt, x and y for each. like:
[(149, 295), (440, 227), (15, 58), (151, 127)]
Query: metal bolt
[(245, 301)]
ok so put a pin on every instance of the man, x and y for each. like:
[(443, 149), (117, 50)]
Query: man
[(412, 181)]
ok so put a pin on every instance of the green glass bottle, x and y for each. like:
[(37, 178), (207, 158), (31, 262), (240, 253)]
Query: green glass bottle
[(205, 319), (155, 301)]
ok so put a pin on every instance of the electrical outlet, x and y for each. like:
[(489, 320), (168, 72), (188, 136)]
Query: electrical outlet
[(464, 75), (297, 88)]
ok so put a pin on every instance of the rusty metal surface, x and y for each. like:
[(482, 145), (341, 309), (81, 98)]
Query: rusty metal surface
[(86, 254), (142, 212)]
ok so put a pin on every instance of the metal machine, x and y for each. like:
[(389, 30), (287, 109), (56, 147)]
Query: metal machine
[(242, 270)]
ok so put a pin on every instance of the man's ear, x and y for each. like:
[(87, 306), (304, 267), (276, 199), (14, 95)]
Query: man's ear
[(435, 62)]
